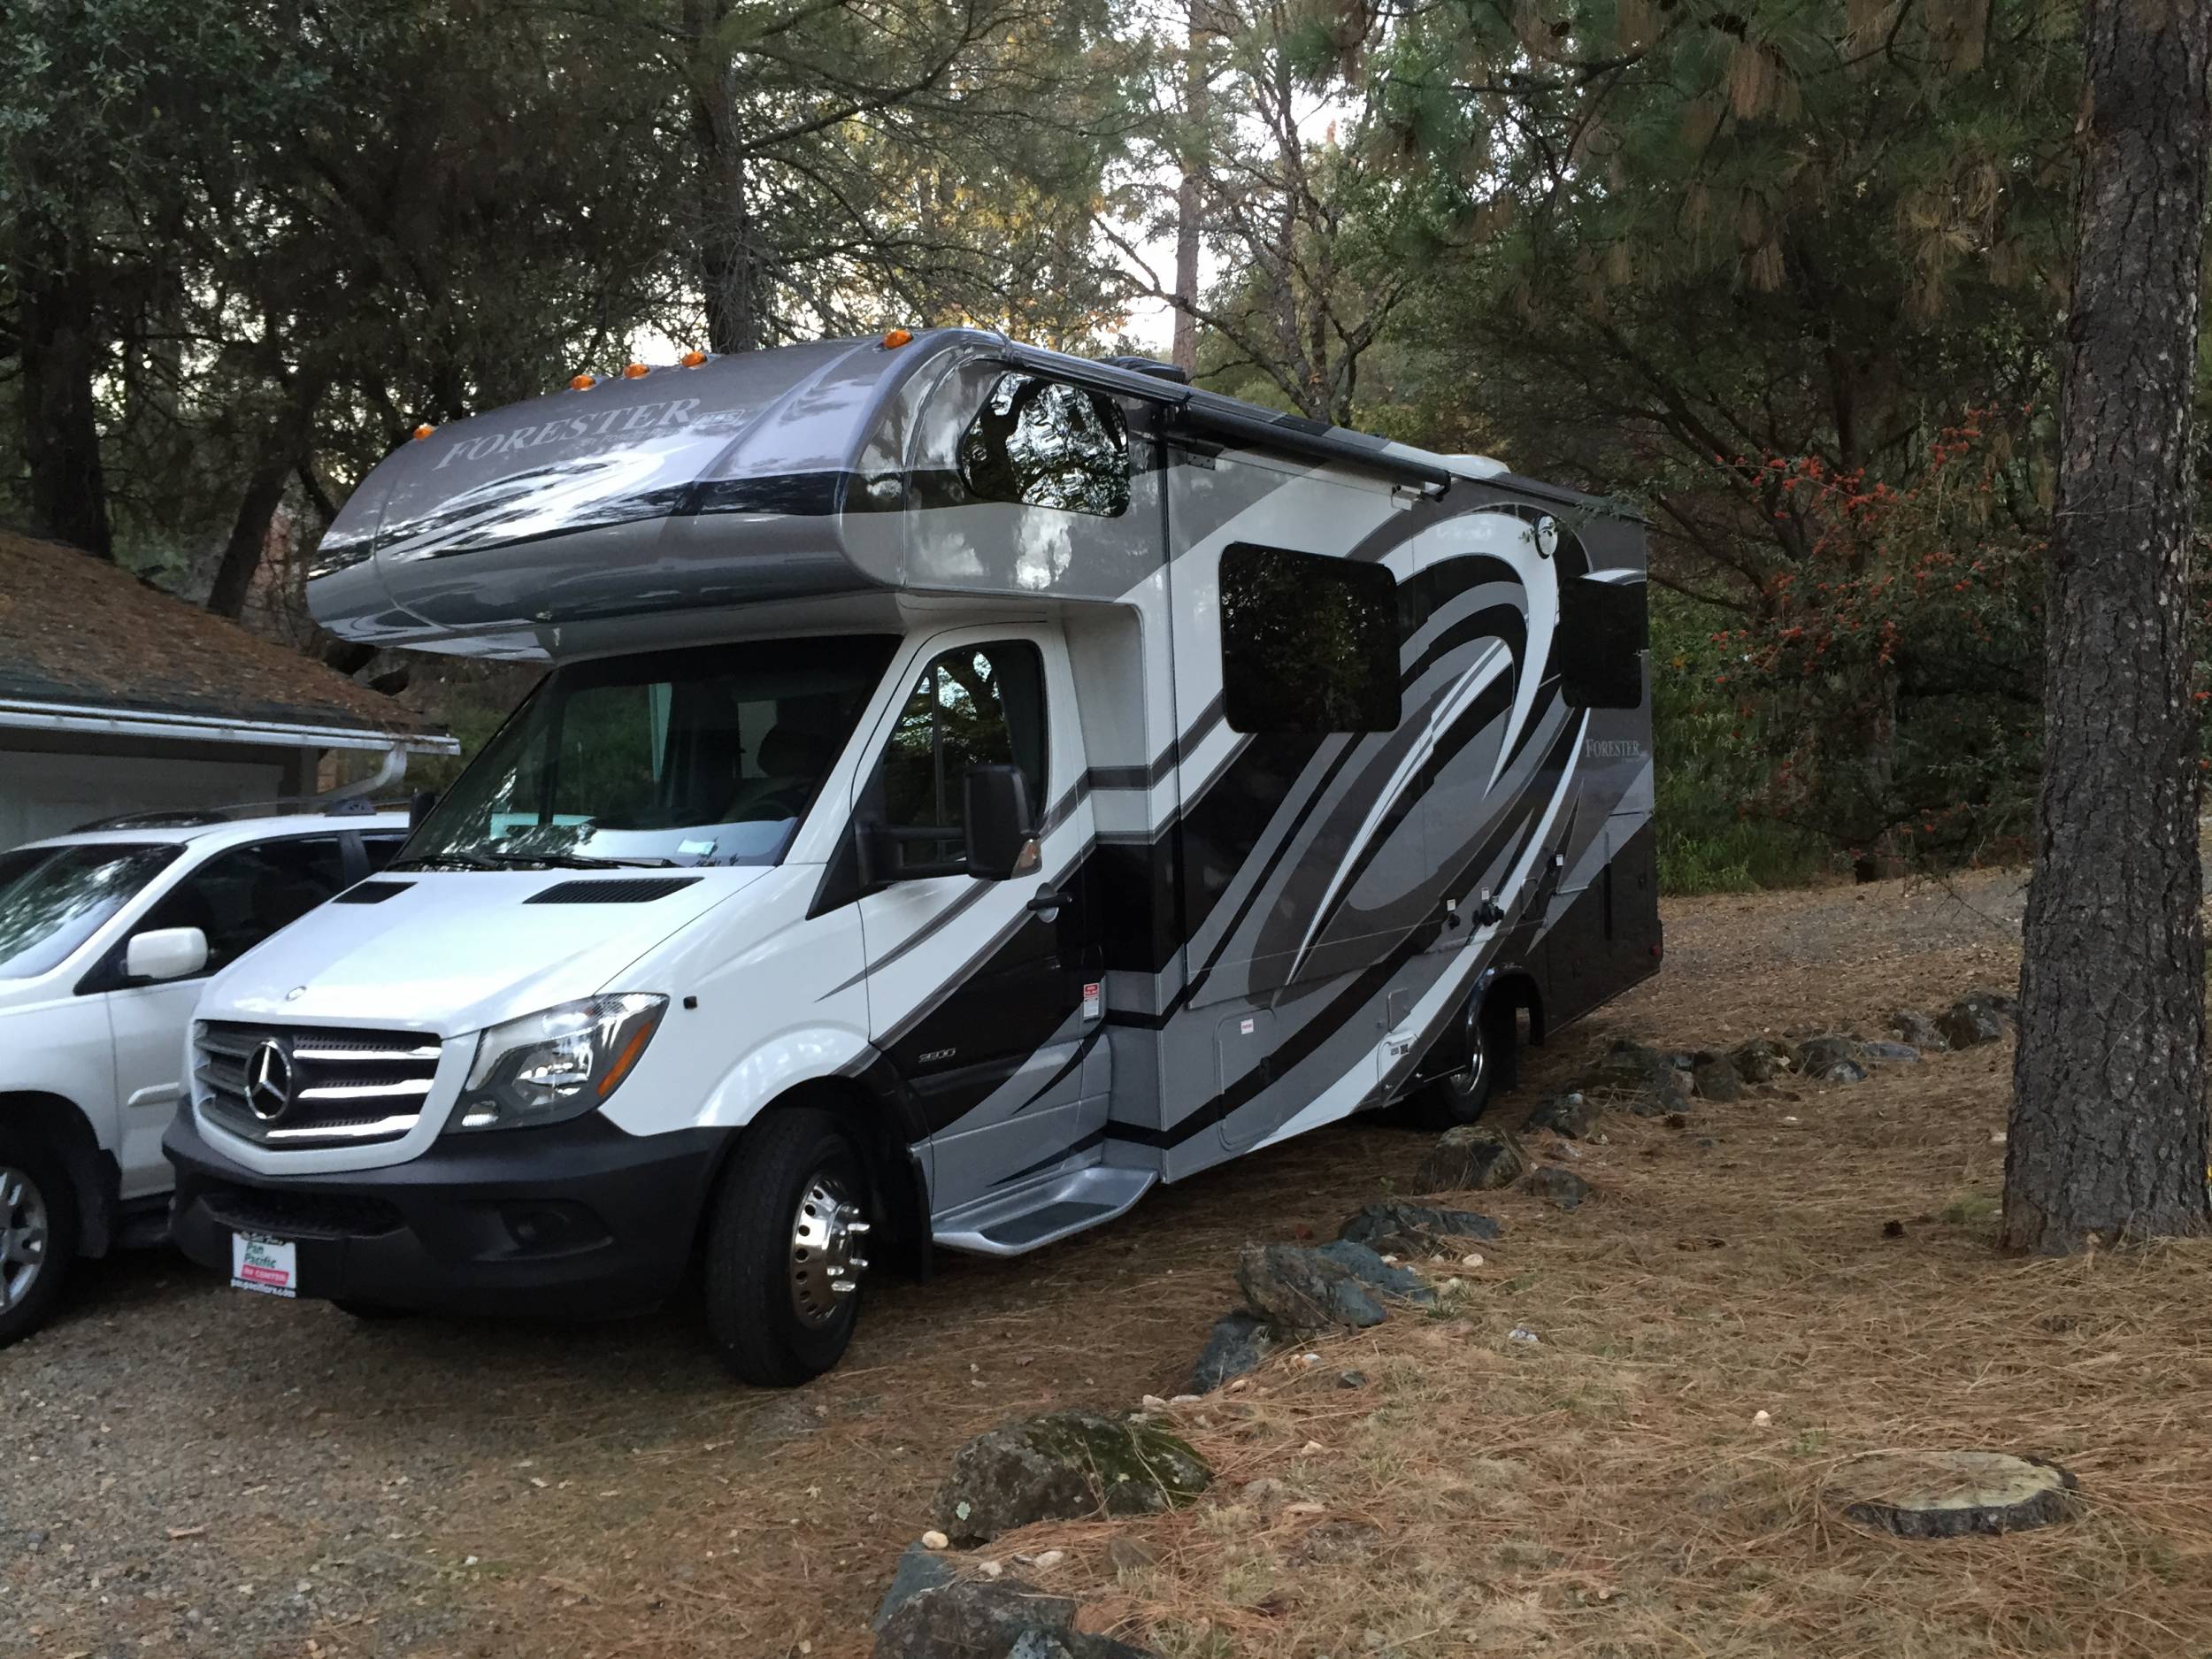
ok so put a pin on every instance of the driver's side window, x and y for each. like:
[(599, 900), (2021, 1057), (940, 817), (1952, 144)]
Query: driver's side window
[(976, 705)]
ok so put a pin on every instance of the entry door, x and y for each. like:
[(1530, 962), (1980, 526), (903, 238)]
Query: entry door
[(976, 989), (237, 898)]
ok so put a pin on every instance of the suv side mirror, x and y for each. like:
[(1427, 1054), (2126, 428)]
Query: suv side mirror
[(165, 953), (1002, 836)]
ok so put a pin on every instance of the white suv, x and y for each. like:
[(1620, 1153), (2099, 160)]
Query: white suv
[(105, 935)]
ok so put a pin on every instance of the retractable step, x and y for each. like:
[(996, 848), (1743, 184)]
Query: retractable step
[(1010, 1223)]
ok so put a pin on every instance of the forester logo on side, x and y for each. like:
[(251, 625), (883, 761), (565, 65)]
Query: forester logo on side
[(639, 420), (1612, 748)]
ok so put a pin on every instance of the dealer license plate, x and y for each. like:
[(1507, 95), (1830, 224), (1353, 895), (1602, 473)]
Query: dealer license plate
[(270, 1266)]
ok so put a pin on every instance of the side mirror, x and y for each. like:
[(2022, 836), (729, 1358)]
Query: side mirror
[(165, 953), (418, 806), (1002, 836)]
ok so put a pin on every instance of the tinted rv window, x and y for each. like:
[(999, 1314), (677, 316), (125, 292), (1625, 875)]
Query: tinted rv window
[(980, 705), (1307, 643), (1602, 637), (1044, 444)]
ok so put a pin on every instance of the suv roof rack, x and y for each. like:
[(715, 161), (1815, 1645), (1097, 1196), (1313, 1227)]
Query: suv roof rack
[(202, 816)]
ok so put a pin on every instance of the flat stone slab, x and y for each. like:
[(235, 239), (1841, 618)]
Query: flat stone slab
[(1950, 1494)]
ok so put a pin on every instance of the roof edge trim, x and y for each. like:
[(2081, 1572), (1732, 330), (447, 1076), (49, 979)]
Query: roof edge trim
[(69, 716)]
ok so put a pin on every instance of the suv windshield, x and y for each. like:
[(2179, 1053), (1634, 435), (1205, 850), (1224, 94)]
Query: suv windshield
[(704, 756), (52, 899)]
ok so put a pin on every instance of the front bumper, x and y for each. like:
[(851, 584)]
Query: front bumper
[(576, 1219)]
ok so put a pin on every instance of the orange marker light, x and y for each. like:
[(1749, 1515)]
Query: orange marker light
[(692, 360), (623, 1062), (423, 431), (581, 383), (895, 338), (635, 371)]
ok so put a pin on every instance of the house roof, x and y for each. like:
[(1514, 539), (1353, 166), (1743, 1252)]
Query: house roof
[(88, 641)]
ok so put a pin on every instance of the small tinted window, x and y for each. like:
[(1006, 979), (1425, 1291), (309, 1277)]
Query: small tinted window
[(381, 850), (1307, 643), (240, 898), (1602, 643), (1044, 444), (980, 705)]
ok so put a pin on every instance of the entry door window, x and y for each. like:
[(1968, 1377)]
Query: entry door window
[(240, 898), (978, 705)]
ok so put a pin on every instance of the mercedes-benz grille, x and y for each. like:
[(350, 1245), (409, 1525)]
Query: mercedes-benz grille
[(295, 1087)]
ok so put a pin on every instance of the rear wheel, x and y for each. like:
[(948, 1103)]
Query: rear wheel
[(785, 1251), (39, 1232), (1463, 1096)]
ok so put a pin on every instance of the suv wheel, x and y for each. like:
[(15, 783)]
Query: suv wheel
[(38, 1232), (785, 1254)]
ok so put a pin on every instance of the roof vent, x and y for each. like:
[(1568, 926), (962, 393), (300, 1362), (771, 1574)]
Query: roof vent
[(623, 890), (371, 892), (1152, 366)]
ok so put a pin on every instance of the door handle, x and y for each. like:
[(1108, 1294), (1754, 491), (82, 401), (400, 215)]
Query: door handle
[(1048, 900)]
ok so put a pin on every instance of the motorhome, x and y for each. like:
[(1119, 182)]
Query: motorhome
[(972, 786)]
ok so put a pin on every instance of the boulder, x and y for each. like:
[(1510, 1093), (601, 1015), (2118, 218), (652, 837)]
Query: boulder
[(1914, 1027), (1391, 1224), (1000, 1619), (1890, 1053), (1763, 1059), (1574, 1115), (1294, 1289), (920, 1568), (1640, 1078), (1832, 1059), (1065, 1466), (1237, 1344), (1471, 1158), (1978, 1018), (1562, 1187), (1716, 1079), (1371, 1270)]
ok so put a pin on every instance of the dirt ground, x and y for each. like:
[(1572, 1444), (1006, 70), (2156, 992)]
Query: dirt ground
[(191, 1471)]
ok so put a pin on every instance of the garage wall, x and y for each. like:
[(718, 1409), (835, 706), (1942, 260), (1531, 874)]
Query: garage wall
[(45, 791)]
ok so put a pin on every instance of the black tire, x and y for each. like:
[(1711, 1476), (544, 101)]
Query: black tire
[(35, 1189), (1463, 1096), (774, 1319)]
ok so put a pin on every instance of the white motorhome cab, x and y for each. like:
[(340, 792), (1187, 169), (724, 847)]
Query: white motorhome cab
[(972, 786), (106, 938)]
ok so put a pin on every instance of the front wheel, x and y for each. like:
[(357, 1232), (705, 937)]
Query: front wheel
[(785, 1250), (38, 1232), (1463, 1096)]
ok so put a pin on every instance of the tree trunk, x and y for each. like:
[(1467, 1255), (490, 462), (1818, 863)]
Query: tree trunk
[(729, 273), (2108, 1135), (1190, 201), (61, 358), (283, 447)]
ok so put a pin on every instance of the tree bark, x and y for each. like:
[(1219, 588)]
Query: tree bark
[(2108, 1134), (283, 448), (729, 264), (61, 358), (1190, 199)]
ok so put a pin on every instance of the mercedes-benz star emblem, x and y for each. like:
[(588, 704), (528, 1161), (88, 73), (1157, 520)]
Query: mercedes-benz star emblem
[(269, 1082)]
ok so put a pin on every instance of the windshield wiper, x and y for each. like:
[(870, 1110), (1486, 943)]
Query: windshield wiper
[(579, 861), (442, 861)]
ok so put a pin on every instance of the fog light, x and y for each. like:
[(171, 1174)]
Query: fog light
[(547, 1227)]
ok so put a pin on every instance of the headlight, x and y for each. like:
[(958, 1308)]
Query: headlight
[(547, 1068)]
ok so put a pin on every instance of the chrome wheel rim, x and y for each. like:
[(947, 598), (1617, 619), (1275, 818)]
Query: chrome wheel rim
[(826, 1262), (1467, 1079), (22, 1236)]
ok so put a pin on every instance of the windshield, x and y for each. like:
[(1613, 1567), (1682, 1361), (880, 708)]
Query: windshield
[(52, 899), (704, 756)]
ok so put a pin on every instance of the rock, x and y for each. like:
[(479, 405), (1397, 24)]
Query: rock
[(1716, 1079), (1573, 1115), (1978, 1018), (1947, 1494), (1641, 1079), (1005, 1619), (1562, 1187), (1832, 1059), (920, 1568), (1065, 1466), (1890, 1053), (1763, 1059), (1237, 1344), (1917, 1028), (1391, 1224), (1130, 1555), (1377, 1274), (1471, 1158), (1351, 1379)]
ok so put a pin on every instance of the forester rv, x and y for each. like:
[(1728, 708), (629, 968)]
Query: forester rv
[(973, 785)]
